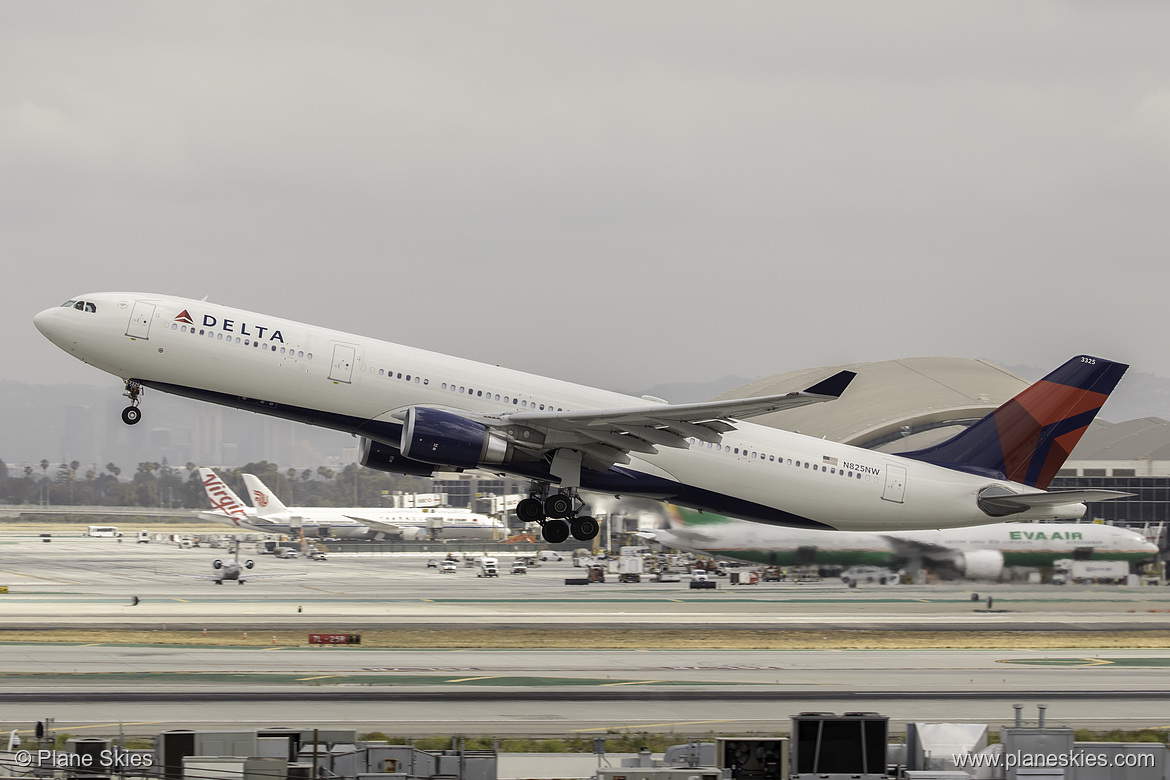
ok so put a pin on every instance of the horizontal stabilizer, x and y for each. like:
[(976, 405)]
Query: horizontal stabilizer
[(1001, 504)]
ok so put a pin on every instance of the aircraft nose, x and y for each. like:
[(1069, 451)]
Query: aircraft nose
[(46, 322)]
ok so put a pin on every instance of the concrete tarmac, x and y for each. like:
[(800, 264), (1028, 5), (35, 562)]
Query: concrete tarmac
[(75, 581), (83, 582)]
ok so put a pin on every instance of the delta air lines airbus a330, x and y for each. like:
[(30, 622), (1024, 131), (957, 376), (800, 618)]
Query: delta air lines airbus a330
[(419, 412)]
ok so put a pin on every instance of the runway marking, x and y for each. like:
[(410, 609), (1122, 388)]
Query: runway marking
[(633, 682), (35, 577), (321, 677), (469, 679), (1070, 662), (185, 601), (1134, 661), (660, 725), (322, 590)]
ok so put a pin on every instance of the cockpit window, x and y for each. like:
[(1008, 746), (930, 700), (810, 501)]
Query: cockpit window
[(85, 306), (90, 307), (68, 304)]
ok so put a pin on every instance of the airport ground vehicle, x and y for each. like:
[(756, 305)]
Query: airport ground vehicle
[(1069, 571), (103, 530), (286, 552), (448, 567), (869, 575), (518, 567), (144, 537), (489, 567), (699, 575), (550, 555), (630, 565)]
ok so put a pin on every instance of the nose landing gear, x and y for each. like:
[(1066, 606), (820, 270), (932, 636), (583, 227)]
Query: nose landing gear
[(132, 414)]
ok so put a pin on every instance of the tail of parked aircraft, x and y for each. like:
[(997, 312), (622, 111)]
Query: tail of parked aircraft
[(1029, 438), (222, 497), (265, 501)]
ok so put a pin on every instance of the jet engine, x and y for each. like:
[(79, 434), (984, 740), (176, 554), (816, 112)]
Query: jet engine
[(249, 563), (382, 457), (217, 564), (981, 564), (449, 439)]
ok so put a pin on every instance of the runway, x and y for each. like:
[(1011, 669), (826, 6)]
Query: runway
[(150, 688), (92, 582), (414, 693)]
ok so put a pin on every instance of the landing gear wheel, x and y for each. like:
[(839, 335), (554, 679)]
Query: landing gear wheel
[(131, 415), (555, 531), (558, 505), (530, 510), (584, 528)]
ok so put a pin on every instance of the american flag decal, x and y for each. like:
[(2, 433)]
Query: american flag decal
[(829, 461)]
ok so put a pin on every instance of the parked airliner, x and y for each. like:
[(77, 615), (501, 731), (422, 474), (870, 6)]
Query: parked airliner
[(268, 514), (422, 523), (418, 412), (977, 553)]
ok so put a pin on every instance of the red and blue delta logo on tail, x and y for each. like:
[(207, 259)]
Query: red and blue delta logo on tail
[(1030, 437)]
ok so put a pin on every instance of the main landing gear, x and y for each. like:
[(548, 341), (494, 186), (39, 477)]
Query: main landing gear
[(557, 515), (132, 414)]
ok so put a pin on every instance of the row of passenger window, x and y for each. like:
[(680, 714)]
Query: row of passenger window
[(487, 395), (254, 343), (744, 452)]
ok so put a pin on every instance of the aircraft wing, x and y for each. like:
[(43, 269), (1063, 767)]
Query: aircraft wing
[(386, 528), (608, 434), (916, 550)]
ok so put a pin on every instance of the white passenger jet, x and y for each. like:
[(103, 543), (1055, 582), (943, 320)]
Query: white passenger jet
[(418, 412), (269, 515), (976, 553), (235, 570), (226, 507), (446, 522)]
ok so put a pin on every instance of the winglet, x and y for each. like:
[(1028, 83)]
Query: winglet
[(834, 386)]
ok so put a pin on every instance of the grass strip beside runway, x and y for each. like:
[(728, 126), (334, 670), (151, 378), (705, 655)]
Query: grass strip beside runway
[(554, 638)]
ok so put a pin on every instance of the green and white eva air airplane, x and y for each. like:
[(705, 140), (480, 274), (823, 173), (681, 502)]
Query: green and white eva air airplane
[(978, 553)]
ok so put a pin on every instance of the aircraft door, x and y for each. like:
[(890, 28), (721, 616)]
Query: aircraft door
[(140, 317), (895, 483), (342, 368)]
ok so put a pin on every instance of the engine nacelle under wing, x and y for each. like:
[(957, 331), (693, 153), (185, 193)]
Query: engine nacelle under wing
[(449, 439), (981, 564), (383, 457)]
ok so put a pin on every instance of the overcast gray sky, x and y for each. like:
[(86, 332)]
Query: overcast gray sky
[(614, 193)]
